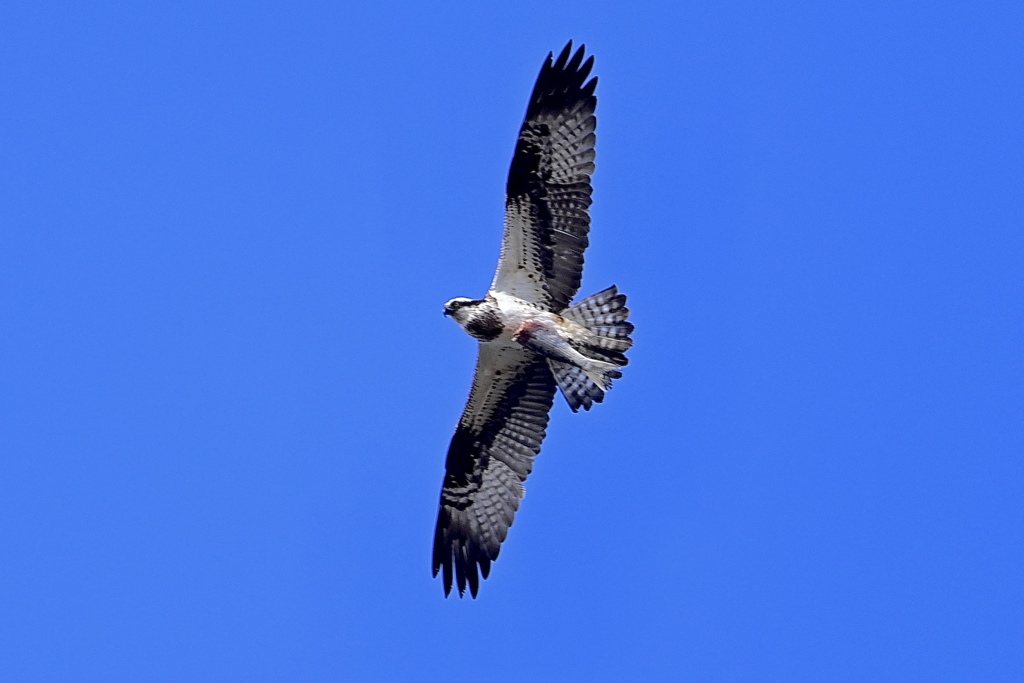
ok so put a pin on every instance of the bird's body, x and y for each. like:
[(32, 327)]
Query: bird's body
[(507, 320), (531, 339)]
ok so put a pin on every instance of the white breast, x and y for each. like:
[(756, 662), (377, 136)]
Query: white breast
[(515, 312)]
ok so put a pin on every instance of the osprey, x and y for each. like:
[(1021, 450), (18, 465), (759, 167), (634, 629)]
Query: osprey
[(531, 339)]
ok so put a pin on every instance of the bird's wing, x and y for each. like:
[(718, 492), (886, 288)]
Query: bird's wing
[(548, 193), (490, 456)]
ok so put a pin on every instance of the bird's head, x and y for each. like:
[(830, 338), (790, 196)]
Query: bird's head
[(458, 308)]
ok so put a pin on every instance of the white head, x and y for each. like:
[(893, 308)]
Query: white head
[(459, 308)]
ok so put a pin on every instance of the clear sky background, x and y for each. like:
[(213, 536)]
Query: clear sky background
[(226, 386)]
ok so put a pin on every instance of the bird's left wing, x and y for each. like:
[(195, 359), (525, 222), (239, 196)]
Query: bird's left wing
[(489, 458), (548, 193)]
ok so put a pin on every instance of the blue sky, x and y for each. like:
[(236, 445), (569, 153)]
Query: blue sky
[(226, 235)]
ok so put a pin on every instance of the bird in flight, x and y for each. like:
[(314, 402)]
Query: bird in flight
[(531, 339)]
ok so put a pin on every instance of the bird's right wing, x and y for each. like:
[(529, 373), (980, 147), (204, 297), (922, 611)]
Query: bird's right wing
[(547, 199), (490, 456)]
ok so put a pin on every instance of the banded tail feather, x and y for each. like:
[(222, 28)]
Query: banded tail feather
[(605, 316)]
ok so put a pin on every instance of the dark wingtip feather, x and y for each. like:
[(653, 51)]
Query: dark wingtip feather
[(563, 56), (588, 90), (577, 59), (587, 66), (562, 80), (442, 557), (447, 577)]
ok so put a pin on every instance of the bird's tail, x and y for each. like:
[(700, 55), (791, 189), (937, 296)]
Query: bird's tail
[(604, 315)]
